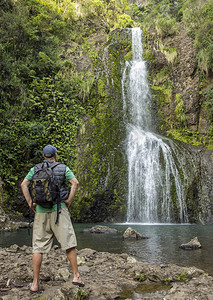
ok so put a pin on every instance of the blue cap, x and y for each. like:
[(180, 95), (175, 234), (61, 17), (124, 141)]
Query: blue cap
[(49, 151)]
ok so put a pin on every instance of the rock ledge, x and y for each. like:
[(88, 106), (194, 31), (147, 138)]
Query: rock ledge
[(105, 275)]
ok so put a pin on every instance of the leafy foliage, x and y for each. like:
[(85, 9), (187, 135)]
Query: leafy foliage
[(125, 21), (40, 104), (166, 25), (197, 17), (179, 110), (43, 96)]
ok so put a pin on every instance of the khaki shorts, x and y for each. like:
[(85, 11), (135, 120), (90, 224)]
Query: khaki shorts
[(44, 228)]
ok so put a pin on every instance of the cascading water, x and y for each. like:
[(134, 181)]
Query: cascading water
[(155, 191)]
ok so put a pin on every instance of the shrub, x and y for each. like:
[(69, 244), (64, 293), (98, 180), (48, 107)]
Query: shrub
[(197, 17), (179, 110), (124, 21), (166, 26)]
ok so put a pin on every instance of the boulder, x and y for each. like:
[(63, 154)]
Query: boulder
[(6, 224), (192, 245), (102, 229), (3, 217), (132, 234)]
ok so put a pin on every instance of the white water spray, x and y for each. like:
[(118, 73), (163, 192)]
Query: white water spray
[(154, 182)]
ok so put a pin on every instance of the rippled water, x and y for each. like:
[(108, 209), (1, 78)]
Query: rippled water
[(161, 247)]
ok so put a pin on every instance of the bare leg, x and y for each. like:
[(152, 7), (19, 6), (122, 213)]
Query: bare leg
[(37, 260), (72, 256)]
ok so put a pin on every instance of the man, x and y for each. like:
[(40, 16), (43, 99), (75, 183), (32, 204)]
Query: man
[(45, 225)]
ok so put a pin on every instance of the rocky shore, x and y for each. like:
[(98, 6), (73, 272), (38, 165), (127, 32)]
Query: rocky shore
[(7, 224), (106, 276)]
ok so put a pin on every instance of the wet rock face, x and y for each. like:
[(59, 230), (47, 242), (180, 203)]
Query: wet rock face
[(206, 187), (105, 275), (183, 74), (187, 78)]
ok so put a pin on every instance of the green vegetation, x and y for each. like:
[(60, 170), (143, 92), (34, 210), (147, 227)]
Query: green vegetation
[(165, 26), (36, 91), (197, 17), (184, 135), (142, 277), (82, 294), (43, 96), (182, 277), (179, 110), (47, 96), (162, 15), (167, 281)]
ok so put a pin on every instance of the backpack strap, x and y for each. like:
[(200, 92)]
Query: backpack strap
[(58, 210), (53, 165), (30, 219)]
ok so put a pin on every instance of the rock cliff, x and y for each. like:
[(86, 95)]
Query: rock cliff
[(175, 68)]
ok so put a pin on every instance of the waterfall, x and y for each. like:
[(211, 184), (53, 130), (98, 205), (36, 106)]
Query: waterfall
[(155, 192)]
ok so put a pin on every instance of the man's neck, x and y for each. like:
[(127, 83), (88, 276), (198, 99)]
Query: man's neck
[(49, 159)]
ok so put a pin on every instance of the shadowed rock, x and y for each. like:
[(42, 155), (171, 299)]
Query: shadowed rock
[(132, 234), (101, 229), (192, 245)]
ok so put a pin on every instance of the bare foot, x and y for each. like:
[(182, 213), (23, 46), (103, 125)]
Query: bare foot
[(34, 288), (78, 281)]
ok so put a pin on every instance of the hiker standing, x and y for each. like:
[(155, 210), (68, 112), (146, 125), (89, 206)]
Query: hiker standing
[(51, 214)]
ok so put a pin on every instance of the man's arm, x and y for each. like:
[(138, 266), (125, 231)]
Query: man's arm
[(25, 189), (73, 191)]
